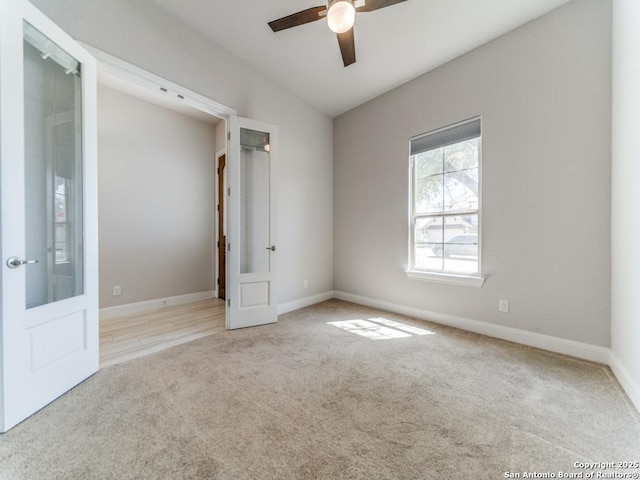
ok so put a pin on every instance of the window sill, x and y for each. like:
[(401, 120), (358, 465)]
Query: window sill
[(448, 278)]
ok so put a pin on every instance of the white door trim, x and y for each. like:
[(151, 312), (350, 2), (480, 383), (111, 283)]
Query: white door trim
[(154, 85)]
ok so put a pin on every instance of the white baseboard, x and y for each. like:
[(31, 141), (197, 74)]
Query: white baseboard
[(304, 302), (132, 308), (544, 342), (629, 385)]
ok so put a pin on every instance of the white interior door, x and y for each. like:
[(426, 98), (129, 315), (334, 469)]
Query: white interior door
[(251, 249), (48, 187)]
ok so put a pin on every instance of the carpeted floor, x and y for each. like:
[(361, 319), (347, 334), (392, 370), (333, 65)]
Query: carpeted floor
[(305, 399)]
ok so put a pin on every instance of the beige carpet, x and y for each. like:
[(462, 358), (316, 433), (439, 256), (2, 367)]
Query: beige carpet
[(304, 399)]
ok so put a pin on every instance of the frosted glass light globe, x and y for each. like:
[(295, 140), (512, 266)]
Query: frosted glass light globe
[(341, 16)]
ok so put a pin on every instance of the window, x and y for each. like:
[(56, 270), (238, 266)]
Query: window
[(62, 230), (445, 204)]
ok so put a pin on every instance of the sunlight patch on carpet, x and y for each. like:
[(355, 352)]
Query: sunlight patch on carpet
[(379, 328), (402, 326)]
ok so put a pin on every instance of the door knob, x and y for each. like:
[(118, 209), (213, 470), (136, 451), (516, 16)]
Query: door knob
[(15, 262), (272, 248)]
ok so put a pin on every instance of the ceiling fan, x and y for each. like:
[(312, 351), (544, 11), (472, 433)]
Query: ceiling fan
[(341, 15)]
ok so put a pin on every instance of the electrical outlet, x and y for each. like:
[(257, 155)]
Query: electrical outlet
[(503, 306), (305, 284), (117, 290)]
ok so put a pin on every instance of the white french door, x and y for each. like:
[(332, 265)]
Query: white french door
[(48, 188), (251, 249)]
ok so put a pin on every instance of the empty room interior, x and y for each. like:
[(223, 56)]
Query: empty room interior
[(234, 247)]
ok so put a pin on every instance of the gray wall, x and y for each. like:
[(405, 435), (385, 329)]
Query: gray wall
[(156, 200), (543, 91), (625, 308), (143, 35)]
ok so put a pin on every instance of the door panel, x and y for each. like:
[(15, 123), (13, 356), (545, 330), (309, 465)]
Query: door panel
[(48, 346), (251, 252), (254, 294), (48, 186)]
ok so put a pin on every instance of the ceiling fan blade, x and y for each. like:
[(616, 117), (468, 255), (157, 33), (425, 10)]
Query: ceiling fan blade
[(372, 5), (305, 16), (347, 47)]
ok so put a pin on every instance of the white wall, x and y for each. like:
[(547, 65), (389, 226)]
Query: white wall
[(625, 221), (156, 200), (221, 135), (143, 35), (543, 91)]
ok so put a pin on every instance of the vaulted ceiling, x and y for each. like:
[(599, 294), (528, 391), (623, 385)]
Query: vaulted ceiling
[(393, 44)]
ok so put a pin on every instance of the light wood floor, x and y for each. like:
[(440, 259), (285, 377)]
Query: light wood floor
[(133, 336)]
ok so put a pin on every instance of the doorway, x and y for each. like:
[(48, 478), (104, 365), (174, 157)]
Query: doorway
[(222, 237), (157, 196), (251, 149)]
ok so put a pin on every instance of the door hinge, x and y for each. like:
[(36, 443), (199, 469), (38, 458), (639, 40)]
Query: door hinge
[(229, 191), (218, 207), (218, 281), (228, 302), (228, 247), (228, 135), (218, 243)]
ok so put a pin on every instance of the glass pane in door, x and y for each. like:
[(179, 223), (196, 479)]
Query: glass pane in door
[(53, 171), (254, 201)]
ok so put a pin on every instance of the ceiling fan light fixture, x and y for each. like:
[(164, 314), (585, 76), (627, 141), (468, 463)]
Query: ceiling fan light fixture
[(341, 15)]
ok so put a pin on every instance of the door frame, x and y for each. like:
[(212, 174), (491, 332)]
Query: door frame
[(155, 88)]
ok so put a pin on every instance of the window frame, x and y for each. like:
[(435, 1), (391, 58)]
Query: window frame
[(448, 277), (66, 224)]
